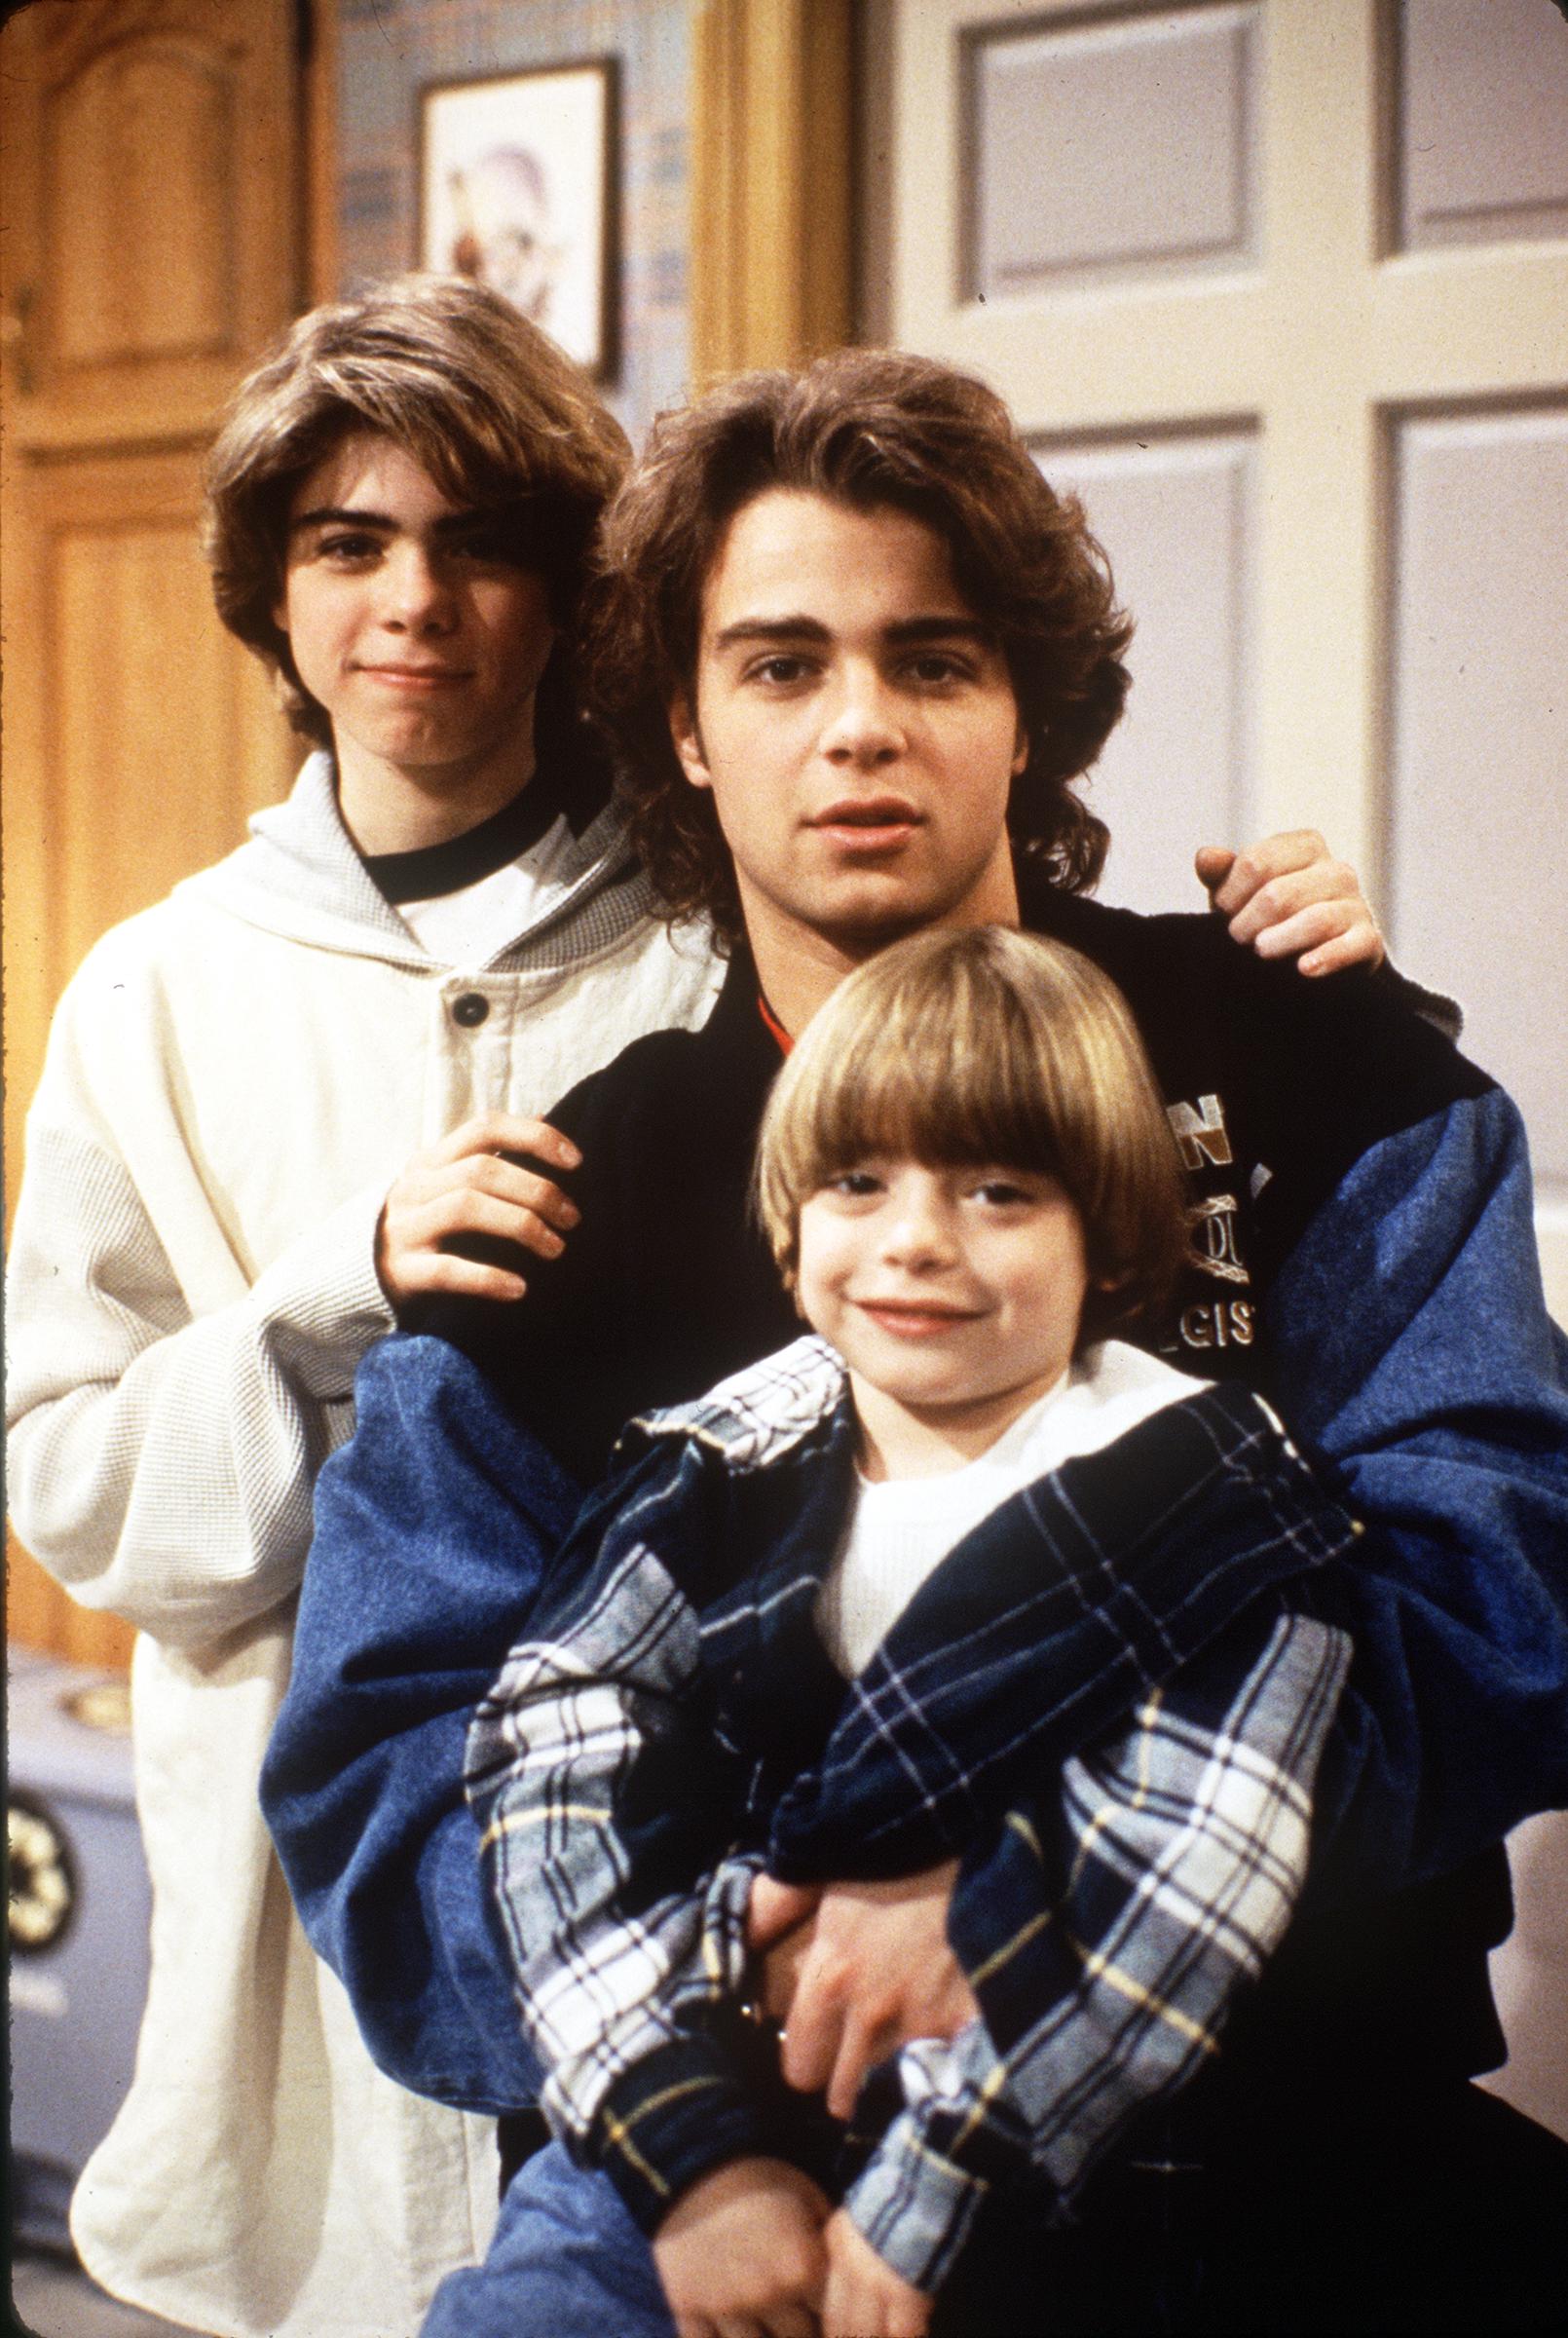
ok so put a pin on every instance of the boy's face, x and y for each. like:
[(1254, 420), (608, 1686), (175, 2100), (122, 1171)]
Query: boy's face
[(422, 642), (952, 1295), (857, 727)]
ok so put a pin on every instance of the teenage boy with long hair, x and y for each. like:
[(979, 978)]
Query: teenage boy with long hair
[(440, 929), (270, 1106), (852, 652)]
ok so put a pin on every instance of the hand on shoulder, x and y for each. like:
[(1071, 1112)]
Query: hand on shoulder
[(456, 1201), (1289, 897)]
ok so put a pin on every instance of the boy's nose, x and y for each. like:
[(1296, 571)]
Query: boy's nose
[(918, 1234), (415, 595), (863, 728)]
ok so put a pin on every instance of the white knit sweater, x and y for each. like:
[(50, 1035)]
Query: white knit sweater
[(232, 1081)]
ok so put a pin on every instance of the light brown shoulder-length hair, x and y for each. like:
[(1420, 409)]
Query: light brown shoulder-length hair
[(870, 429), (500, 417), (982, 1045)]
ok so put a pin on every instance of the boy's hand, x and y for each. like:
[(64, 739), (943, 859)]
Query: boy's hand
[(1287, 896), (865, 2298), (876, 1972), (741, 2254), (465, 1185)]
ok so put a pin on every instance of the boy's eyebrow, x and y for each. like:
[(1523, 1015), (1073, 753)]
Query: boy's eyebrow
[(959, 627), (344, 515), (339, 515), (905, 630)]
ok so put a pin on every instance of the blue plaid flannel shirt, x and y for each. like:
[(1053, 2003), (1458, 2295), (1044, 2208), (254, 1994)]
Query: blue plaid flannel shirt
[(672, 1725)]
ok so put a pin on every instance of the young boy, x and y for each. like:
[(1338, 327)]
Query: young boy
[(966, 1176), (441, 930)]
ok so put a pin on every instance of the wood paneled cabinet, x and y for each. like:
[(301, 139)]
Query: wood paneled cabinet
[(154, 209)]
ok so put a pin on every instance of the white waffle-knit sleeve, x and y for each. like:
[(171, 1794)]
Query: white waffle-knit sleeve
[(161, 1453)]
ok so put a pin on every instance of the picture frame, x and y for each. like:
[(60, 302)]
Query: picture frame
[(518, 187)]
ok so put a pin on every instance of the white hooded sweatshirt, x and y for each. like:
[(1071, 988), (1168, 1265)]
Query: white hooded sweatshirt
[(234, 1078)]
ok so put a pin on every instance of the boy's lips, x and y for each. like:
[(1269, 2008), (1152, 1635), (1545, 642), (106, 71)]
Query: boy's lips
[(868, 823), (416, 677), (914, 1318)]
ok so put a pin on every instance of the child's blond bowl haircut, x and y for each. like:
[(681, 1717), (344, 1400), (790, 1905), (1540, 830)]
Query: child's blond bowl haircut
[(985, 1046), (499, 416)]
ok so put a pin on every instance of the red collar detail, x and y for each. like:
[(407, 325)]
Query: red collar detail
[(780, 1035)]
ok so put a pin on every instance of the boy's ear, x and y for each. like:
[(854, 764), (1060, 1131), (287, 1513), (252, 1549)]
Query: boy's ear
[(686, 740), (790, 1276), (1021, 750)]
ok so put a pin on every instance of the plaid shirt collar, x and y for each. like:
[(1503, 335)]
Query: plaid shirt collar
[(760, 1413)]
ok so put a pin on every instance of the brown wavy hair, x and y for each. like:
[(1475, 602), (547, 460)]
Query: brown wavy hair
[(868, 428), (492, 410)]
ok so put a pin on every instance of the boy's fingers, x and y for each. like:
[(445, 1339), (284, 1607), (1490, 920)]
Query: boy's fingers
[(471, 1211), (1308, 909), (793, 2320), (1358, 946), (508, 1181), (1327, 883), (1213, 864), (1327, 923), (864, 2298), (509, 1132), (862, 2045), (494, 1175), (440, 1270), (781, 1973), (808, 2050), (1261, 864), (1284, 855), (775, 1909), (421, 1248), (809, 2046)]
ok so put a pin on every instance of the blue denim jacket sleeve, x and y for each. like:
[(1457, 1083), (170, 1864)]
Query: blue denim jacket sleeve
[(431, 1528), (1415, 1355)]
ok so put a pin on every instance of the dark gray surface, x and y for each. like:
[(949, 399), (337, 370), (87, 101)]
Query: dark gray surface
[(52, 2300)]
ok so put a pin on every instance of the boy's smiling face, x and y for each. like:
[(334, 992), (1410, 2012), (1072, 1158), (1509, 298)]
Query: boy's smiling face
[(953, 1294)]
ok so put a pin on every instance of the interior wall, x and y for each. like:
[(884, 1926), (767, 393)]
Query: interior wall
[(390, 50)]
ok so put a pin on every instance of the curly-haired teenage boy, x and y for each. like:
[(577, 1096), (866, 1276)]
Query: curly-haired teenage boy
[(853, 649), (279, 1108)]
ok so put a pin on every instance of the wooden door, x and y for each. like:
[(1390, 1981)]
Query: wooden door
[(152, 247)]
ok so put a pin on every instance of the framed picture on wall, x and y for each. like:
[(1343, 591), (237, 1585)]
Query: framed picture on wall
[(517, 187)]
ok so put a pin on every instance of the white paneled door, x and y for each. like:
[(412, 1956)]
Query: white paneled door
[(1281, 286)]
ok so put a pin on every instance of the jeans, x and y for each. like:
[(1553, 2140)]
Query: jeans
[(566, 2262)]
